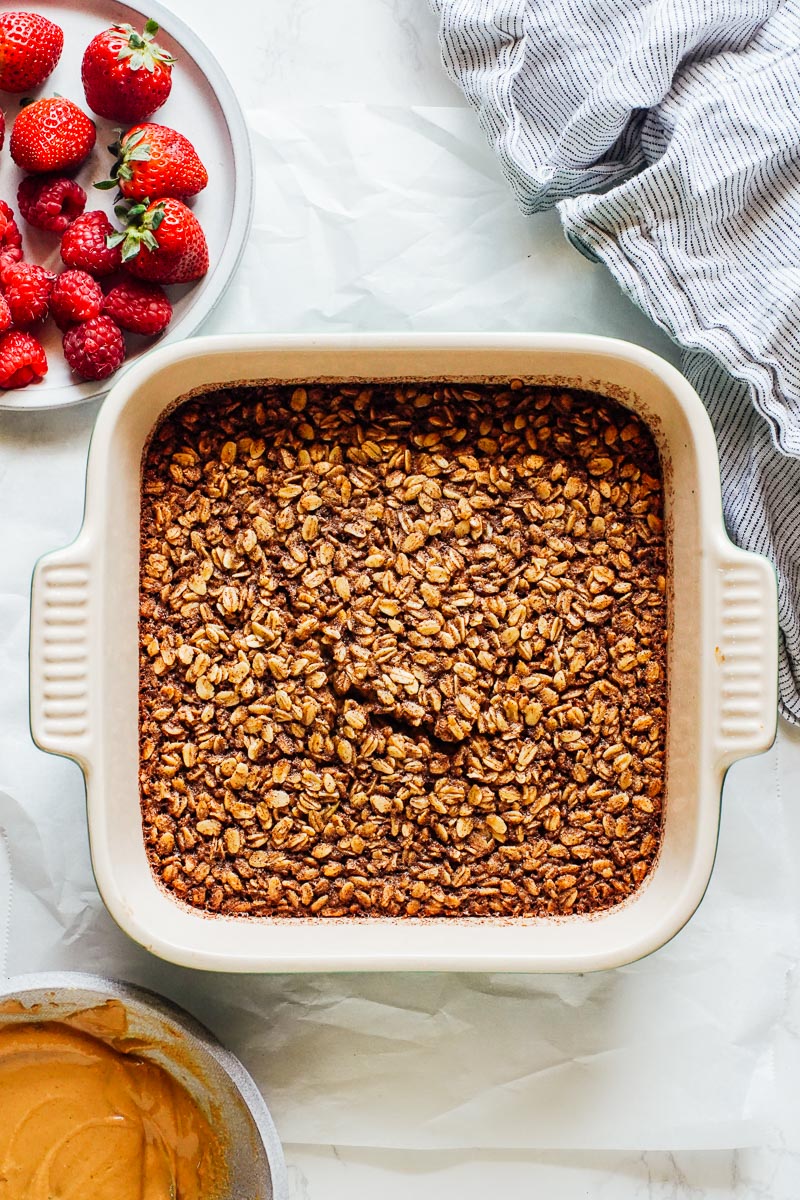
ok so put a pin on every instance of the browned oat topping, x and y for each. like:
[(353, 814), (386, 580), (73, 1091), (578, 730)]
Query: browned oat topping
[(402, 651)]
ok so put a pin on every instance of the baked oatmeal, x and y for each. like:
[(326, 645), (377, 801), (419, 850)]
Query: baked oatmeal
[(403, 650)]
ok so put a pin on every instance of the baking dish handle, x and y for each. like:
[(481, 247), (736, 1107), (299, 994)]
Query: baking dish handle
[(746, 655), (59, 651)]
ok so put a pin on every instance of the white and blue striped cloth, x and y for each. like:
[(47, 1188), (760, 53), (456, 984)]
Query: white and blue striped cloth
[(667, 132)]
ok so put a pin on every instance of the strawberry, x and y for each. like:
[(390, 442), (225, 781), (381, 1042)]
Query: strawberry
[(75, 297), (22, 359), (85, 245), (162, 241), (154, 160), (50, 202), (51, 134), (94, 349), (139, 307), (26, 288), (126, 75), (30, 47)]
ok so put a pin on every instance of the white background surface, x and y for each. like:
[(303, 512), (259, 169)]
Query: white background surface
[(380, 207)]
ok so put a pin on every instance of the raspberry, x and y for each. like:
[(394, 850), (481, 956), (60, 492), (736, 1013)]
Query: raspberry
[(138, 306), (50, 202), (75, 297), (26, 288), (5, 314), (8, 258), (22, 359), (94, 349), (10, 236), (83, 245)]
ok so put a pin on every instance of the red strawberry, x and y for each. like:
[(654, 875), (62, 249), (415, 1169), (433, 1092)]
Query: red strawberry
[(5, 314), (51, 134), (26, 288), (22, 359), (163, 242), (126, 75), (30, 47), (75, 297), (85, 245), (50, 202), (95, 349), (154, 160), (138, 306)]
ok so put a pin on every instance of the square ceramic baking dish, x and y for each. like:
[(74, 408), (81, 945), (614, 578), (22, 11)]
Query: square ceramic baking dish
[(722, 659)]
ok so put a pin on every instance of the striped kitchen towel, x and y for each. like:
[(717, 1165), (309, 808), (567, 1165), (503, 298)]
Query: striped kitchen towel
[(667, 133)]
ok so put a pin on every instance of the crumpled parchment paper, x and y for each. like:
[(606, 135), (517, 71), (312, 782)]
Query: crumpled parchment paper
[(390, 218)]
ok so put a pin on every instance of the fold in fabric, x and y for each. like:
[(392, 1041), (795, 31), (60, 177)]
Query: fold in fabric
[(667, 135)]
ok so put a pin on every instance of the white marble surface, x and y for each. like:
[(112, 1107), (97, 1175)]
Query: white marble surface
[(380, 207)]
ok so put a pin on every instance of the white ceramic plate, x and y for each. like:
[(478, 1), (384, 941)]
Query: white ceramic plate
[(204, 107)]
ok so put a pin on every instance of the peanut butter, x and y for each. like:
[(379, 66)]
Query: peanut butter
[(82, 1117)]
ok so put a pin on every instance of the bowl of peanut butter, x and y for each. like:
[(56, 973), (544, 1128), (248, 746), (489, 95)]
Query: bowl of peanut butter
[(111, 1092)]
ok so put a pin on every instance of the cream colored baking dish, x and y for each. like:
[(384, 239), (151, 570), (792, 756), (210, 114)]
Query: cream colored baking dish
[(722, 659)]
